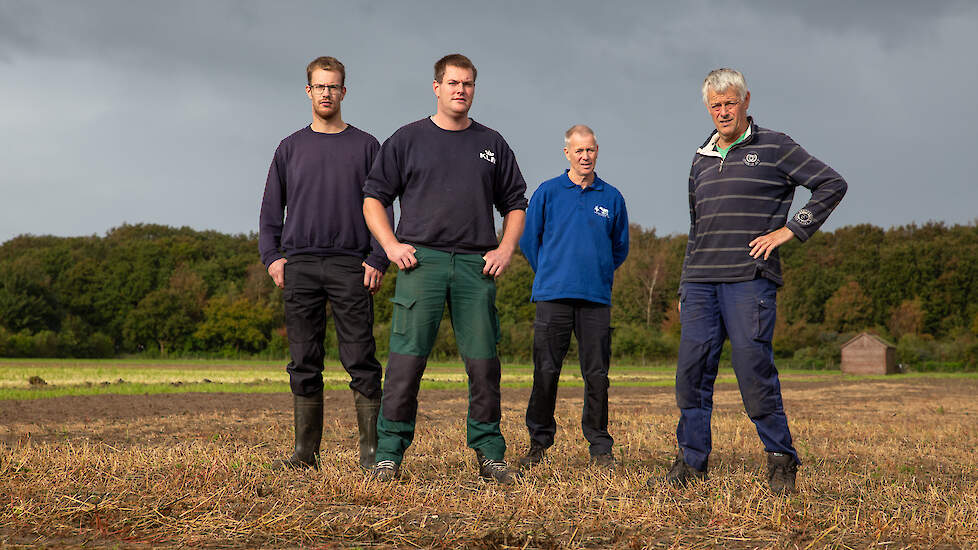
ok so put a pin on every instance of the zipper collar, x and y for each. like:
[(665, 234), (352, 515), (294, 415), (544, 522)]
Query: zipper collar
[(708, 149)]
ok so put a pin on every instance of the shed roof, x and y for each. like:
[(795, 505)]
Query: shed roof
[(870, 335)]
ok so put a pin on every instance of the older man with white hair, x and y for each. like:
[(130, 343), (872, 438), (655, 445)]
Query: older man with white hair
[(741, 185)]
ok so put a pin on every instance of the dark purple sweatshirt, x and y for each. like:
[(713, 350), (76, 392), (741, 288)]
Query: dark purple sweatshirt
[(447, 182), (319, 178)]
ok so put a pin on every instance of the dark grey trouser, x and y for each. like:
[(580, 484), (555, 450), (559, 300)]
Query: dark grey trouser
[(311, 281), (590, 323)]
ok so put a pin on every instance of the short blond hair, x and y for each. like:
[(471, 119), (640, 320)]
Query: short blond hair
[(326, 63), (454, 60), (582, 129)]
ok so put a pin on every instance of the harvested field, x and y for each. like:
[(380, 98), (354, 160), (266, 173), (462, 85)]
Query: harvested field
[(888, 463)]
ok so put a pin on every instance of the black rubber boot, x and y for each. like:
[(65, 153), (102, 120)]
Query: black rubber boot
[(308, 414), (367, 410)]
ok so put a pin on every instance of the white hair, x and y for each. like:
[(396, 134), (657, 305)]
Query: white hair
[(578, 129), (719, 80)]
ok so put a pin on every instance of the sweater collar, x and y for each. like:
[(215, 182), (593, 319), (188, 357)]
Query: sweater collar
[(708, 149), (598, 183)]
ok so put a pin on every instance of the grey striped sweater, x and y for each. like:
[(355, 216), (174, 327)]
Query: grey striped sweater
[(748, 194)]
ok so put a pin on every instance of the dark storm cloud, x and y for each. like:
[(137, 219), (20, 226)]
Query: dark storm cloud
[(168, 112), (895, 21)]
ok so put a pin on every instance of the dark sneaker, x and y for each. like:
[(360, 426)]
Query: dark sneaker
[(781, 469), (494, 470), (385, 471), (681, 474), (533, 457), (604, 460)]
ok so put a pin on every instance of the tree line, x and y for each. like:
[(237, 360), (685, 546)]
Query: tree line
[(176, 292)]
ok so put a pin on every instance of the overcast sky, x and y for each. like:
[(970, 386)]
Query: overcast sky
[(169, 112)]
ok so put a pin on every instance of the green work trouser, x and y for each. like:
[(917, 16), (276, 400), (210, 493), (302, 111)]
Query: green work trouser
[(419, 301)]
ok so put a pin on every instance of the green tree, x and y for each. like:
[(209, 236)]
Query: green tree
[(907, 318), (169, 316), (848, 309), (27, 301), (235, 324)]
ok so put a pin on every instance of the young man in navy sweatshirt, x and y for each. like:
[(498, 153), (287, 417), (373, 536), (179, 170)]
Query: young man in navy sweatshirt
[(448, 172), (575, 238), (741, 186), (322, 251)]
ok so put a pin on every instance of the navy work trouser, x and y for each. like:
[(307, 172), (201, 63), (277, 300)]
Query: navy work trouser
[(555, 322), (745, 313), (311, 281)]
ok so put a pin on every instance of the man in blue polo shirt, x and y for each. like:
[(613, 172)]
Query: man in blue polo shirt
[(576, 235)]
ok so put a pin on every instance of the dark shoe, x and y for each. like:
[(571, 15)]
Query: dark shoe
[(604, 460), (494, 470), (308, 418), (367, 410), (781, 470), (534, 456), (681, 474), (385, 471)]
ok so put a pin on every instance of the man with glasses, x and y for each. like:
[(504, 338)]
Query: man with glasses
[(741, 186), (321, 252), (448, 171)]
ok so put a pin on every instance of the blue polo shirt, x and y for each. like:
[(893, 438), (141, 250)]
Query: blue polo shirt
[(575, 239)]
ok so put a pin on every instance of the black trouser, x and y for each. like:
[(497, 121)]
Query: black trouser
[(590, 323), (309, 282)]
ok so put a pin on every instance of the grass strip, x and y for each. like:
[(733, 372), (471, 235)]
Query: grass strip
[(91, 377)]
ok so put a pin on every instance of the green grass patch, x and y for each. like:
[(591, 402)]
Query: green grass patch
[(61, 377)]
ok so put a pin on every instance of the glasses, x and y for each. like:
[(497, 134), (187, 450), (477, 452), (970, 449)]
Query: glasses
[(321, 89)]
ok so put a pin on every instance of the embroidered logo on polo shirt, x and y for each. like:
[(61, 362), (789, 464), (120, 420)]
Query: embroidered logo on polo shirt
[(601, 211), (488, 155), (804, 217), (751, 159)]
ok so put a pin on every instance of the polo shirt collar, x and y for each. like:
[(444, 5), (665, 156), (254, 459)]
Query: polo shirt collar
[(597, 185)]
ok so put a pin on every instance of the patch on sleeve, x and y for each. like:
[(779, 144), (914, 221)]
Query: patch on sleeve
[(804, 217)]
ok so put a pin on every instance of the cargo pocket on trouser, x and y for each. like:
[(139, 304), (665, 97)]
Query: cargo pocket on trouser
[(754, 363), (765, 314), (401, 316), (407, 337)]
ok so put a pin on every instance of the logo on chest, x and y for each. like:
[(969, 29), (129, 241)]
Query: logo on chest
[(488, 155), (751, 159), (601, 211)]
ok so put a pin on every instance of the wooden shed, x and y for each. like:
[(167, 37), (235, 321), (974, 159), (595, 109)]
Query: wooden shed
[(868, 354)]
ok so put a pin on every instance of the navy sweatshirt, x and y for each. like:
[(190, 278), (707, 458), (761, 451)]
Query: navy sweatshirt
[(746, 195), (319, 178), (575, 238), (447, 182)]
